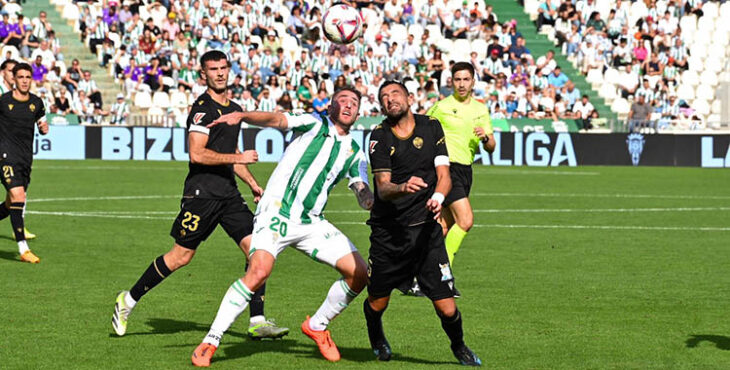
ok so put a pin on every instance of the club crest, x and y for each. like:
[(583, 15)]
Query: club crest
[(445, 272), (32, 107), (418, 142), (635, 144)]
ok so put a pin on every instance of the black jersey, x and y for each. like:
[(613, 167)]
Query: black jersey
[(403, 158), (17, 127), (212, 182)]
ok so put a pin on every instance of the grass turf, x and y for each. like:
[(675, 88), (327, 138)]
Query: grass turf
[(642, 285)]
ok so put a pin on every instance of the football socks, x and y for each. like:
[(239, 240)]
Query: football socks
[(338, 298), (256, 306), (374, 322), (155, 273), (453, 241), (233, 304), (16, 219), (452, 327)]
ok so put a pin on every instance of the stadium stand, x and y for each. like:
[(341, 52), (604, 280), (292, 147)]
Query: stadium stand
[(605, 50)]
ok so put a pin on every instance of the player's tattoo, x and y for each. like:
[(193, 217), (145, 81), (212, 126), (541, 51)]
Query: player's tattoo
[(364, 196)]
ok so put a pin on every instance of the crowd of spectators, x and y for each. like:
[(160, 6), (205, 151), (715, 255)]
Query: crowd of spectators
[(641, 43)]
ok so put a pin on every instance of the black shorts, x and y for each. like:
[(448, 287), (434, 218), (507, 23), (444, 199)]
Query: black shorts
[(199, 217), (15, 175), (460, 183), (398, 254)]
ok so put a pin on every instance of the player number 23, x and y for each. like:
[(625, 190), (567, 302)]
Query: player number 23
[(278, 225), (190, 221)]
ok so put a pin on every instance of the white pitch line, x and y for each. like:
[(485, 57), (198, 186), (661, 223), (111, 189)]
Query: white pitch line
[(121, 197), (100, 215), (576, 210), (490, 171), (582, 227), (581, 195), (115, 168)]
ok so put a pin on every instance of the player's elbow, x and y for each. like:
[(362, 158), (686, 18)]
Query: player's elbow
[(196, 157)]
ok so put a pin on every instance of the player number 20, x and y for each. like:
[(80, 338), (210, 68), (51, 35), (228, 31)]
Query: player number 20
[(278, 225), (8, 171), (190, 221)]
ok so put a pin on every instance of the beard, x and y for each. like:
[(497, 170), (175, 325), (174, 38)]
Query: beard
[(396, 114)]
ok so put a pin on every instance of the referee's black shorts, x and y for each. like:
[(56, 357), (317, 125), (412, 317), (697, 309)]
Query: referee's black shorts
[(398, 254), (461, 179), (199, 217)]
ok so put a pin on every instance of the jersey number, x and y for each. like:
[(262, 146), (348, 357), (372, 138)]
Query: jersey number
[(190, 221), (278, 226), (8, 171)]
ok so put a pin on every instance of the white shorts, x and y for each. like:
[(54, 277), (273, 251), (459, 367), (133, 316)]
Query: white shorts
[(320, 240)]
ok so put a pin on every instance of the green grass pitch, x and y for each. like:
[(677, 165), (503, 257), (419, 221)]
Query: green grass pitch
[(566, 268)]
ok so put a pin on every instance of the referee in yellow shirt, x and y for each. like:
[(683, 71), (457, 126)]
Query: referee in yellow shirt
[(466, 123)]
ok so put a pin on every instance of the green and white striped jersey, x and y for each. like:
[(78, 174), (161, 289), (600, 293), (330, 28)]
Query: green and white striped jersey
[(311, 166)]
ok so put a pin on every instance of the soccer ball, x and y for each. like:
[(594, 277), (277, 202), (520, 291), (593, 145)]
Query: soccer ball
[(342, 24)]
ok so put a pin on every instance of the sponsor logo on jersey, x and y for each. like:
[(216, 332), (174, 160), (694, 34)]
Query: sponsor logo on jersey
[(373, 143), (10, 106), (198, 117), (392, 150), (418, 142), (32, 107)]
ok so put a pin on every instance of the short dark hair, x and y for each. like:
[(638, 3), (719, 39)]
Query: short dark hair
[(22, 67), (351, 89), (388, 83), (463, 66), (213, 55), (6, 62)]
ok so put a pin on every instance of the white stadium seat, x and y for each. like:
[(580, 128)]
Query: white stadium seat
[(709, 78), (705, 92), (621, 106), (142, 99), (412, 86), (690, 77), (713, 65), (716, 106), (702, 107), (710, 9), (178, 99), (161, 99), (608, 92), (685, 92)]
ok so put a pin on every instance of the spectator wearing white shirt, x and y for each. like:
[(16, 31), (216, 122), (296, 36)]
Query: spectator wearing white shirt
[(583, 110), (628, 81), (411, 50), (119, 111), (457, 27)]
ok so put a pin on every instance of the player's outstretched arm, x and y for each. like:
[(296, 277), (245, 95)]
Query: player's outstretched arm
[(263, 119), (363, 194), (199, 154), (246, 176), (389, 191)]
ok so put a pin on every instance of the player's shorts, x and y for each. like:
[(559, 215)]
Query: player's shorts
[(199, 217), (320, 240), (15, 175), (461, 178), (398, 254)]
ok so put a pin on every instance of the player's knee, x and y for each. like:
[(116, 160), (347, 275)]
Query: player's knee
[(466, 223), (17, 196), (446, 310), (257, 275)]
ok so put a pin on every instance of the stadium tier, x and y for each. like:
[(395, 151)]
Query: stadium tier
[(602, 65)]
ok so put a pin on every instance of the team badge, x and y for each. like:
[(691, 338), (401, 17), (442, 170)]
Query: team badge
[(373, 143), (198, 117), (392, 150), (445, 272), (635, 143), (32, 107), (200, 102), (418, 142), (10, 106)]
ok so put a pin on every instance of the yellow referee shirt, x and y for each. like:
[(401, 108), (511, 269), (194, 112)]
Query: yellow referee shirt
[(458, 121)]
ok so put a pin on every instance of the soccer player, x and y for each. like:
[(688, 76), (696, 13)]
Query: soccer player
[(410, 164), (210, 197), (20, 113), (290, 213), (465, 122), (6, 85)]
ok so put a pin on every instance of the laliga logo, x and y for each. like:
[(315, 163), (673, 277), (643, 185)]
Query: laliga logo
[(636, 146)]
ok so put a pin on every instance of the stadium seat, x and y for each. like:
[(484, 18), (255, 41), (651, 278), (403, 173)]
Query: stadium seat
[(434, 32), (690, 77), (70, 11), (717, 51), (280, 29), (142, 100), (289, 43), (698, 50), (705, 92), (155, 115), (685, 92), (257, 40), (713, 65), (399, 33), (696, 63), (709, 78), (611, 75), (461, 46), (725, 10), (594, 76), (710, 9), (480, 46), (608, 92), (445, 45), (416, 30), (178, 99), (531, 7), (285, 14), (716, 106), (621, 106), (688, 23), (412, 86), (14, 53), (161, 99), (702, 107), (705, 25), (191, 98)]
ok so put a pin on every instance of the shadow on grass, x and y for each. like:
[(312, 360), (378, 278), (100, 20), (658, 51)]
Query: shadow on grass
[(298, 349), (10, 256), (721, 342), (171, 326)]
